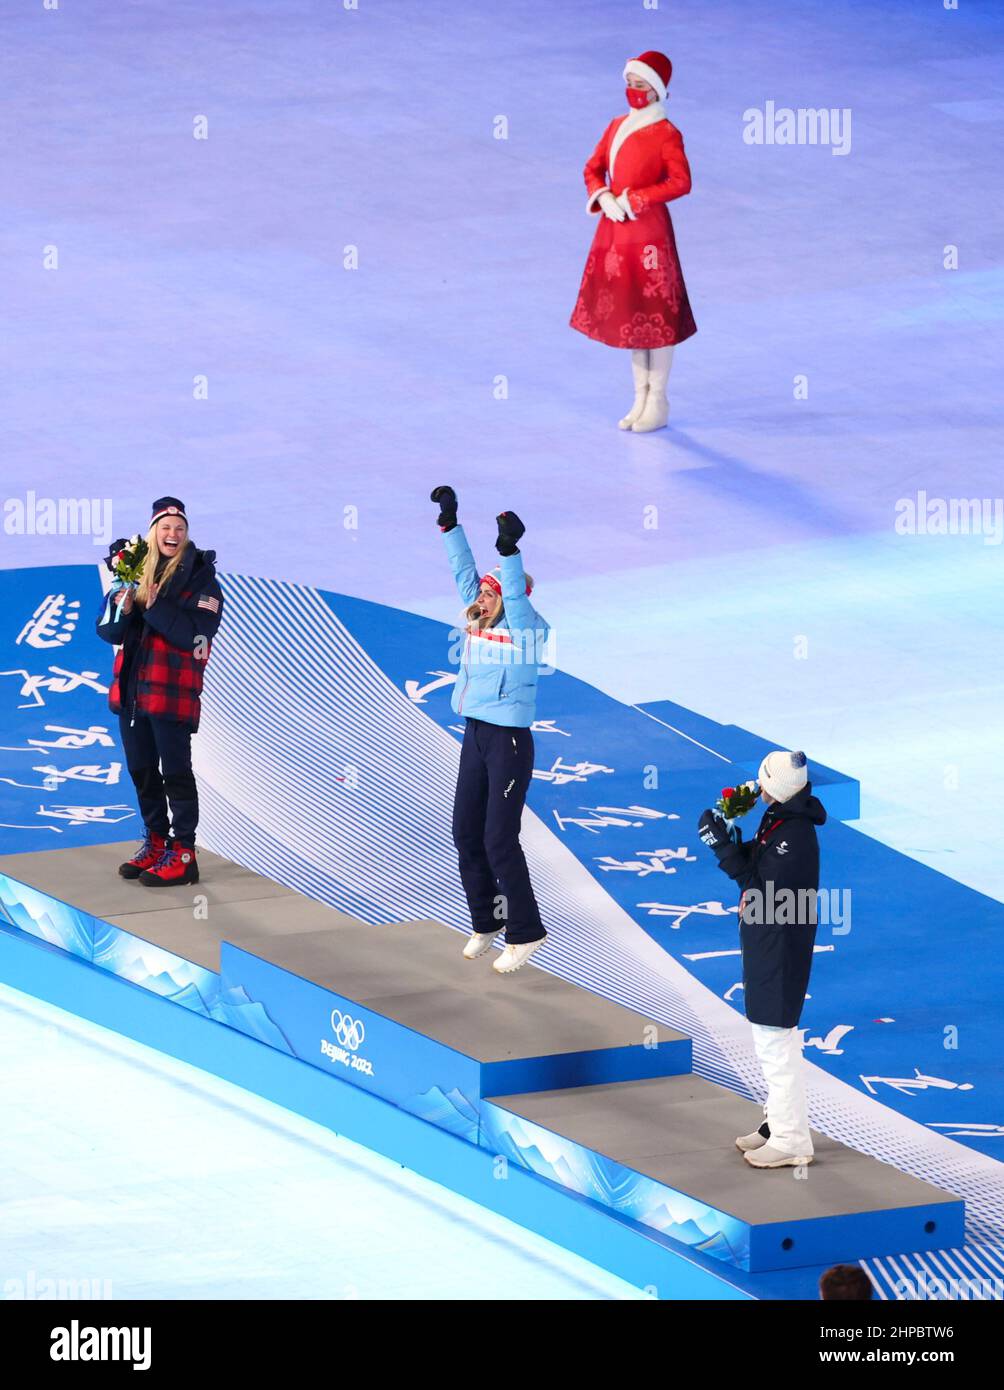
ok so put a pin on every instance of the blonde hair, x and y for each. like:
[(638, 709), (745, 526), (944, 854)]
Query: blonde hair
[(150, 565), (473, 613)]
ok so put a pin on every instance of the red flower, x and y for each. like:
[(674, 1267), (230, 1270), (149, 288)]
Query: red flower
[(728, 791)]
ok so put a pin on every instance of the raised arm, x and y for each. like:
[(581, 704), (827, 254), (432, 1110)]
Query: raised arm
[(520, 612), (461, 559)]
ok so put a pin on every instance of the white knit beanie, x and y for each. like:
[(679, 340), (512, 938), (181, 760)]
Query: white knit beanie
[(782, 775)]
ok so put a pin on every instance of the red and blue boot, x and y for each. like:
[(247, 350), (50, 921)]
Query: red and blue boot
[(177, 865), (146, 856)]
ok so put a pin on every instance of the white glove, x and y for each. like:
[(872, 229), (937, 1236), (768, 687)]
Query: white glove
[(624, 202), (611, 207)]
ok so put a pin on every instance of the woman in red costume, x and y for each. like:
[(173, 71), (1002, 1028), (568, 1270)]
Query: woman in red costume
[(632, 293)]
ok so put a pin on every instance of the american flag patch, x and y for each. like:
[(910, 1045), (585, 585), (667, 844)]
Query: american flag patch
[(208, 601)]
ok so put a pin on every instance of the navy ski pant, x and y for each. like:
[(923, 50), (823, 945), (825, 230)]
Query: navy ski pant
[(159, 758), (496, 765)]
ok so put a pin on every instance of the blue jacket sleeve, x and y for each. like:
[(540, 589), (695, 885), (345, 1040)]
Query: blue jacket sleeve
[(465, 571), (736, 860), (181, 621), (519, 611)]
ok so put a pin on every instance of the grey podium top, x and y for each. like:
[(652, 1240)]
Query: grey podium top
[(680, 1130), (411, 972)]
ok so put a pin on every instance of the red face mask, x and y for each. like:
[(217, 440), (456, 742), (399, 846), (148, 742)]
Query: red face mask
[(637, 97)]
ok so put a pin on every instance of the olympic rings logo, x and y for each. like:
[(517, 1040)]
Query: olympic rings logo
[(350, 1032)]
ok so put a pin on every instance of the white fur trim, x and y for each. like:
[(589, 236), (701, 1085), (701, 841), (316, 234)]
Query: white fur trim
[(591, 205), (647, 74), (636, 119)]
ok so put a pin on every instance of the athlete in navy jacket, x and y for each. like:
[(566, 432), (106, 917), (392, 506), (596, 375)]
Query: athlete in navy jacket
[(163, 630), (778, 872)]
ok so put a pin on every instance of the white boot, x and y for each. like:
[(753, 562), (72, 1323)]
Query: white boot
[(639, 370), (656, 411)]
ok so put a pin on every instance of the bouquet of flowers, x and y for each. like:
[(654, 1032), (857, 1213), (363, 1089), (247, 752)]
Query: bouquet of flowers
[(737, 801), (125, 560)]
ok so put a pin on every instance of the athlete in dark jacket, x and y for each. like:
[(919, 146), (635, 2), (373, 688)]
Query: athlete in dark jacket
[(164, 630), (778, 872)]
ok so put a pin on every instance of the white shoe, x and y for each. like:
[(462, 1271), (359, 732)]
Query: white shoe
[(768, 1157), (639, 369), (756, 1140), (478, 943), (514, 956), (655, 416)]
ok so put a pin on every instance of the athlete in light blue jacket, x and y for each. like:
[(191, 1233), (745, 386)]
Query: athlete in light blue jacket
[(499, 652)]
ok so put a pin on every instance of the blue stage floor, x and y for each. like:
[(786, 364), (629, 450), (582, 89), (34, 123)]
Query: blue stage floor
[(775, 592)]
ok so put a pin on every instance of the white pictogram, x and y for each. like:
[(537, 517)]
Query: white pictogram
[(52, 624), (910, 1085), (93, 773), (831, 1043), (971, 1130), (70, 738), (599, 817), (656, 861), (416, 693), (681, 913), (86, 815), (59, 682), (560, 773)]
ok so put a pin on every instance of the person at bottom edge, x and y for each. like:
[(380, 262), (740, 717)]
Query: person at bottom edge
[(778, 872), (163, 627), (495, 692)]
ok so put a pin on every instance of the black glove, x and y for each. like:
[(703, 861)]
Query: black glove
[(511, 530), (113, 550), (447, 501), (713, 831)]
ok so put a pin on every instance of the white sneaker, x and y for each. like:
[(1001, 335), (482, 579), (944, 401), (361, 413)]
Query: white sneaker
[(514, 956), (756, 1140), (478, 943), (767, 1157)]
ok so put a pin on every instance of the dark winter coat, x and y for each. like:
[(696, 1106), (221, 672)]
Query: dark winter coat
[(161, 666), (777, 955)]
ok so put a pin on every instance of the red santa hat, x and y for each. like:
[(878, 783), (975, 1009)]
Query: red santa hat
[(653, 68), (494, 581)]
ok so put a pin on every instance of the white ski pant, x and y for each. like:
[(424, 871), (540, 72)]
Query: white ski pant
[(779, 1052)]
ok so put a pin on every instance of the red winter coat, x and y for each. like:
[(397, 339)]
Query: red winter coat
[(160, 667), (632, 293)]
